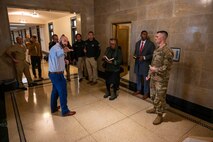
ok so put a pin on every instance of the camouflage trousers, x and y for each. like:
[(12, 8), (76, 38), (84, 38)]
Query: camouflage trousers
[(158, 91)]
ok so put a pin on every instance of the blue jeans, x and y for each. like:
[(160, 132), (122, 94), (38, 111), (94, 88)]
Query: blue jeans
[(59, 89), (146, 87)]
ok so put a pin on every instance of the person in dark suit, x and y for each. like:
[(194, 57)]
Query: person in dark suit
[(144, 49)]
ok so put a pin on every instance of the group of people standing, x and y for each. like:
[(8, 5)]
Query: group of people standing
[(84, 54), (152, 66), (18, 54)]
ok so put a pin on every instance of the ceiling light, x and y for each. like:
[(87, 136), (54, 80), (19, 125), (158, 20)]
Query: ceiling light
[(35, 14), (18, 24)]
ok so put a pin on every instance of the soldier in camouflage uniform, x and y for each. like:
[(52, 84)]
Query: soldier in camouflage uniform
[(159, 74)]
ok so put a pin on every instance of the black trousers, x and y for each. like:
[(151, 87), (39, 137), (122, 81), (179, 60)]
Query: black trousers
[(112, 78), (36, 63)]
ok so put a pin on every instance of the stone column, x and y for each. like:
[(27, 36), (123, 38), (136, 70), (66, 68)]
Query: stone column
[(6, 65)]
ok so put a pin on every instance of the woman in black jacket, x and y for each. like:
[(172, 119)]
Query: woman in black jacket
[(112, 61)]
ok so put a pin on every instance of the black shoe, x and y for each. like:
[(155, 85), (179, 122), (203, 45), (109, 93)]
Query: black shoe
[(80, 79), (90, 82), (32, 84), (107, 94), (113, 96), (93, 83), (23, 88), (41, 78)]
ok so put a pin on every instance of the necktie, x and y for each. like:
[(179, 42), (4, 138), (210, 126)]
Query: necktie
[(141, 48)]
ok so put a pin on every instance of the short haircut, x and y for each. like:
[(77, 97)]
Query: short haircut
[(164, 33), (18, 37), (113, 39), (54, 35), (77, 35), (144, 31), (63, 36), (90, 32), (34, 36)]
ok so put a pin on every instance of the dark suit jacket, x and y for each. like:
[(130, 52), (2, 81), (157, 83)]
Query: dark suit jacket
[(142, 67)]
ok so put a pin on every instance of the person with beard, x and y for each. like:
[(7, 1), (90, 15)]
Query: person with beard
[(56, 75)]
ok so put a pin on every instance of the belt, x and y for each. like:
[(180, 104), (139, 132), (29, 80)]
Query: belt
[(60, 72)]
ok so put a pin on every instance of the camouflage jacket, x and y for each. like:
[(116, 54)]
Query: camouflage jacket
[(162, 60)]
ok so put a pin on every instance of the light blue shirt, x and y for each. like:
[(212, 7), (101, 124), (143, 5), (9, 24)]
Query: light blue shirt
[(56, 59)]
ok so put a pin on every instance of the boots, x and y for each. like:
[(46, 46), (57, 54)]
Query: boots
[(152, 110), (158, 119), (113, 96), (107, 94)]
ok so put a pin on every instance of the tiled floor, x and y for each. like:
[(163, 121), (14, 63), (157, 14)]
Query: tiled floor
[(97, 119)]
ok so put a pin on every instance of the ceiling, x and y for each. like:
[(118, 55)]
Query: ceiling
[(21, 18)]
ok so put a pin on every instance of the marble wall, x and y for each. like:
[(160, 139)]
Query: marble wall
[(190, 27)]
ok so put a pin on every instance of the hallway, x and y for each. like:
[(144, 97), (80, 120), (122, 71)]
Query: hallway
[(97, 119)]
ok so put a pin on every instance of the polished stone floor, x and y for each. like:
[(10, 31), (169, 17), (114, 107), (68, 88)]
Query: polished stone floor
[(97, 119)]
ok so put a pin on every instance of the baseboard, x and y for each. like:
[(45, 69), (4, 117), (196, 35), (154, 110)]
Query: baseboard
[(190, 108), (196, 110)]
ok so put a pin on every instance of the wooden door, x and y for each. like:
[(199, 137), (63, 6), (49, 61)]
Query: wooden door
[(123, 41)]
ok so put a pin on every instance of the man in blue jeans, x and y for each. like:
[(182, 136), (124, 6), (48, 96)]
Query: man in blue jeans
[(56, 75)]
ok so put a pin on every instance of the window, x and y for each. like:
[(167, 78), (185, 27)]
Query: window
[(51, 32), (73, 28)]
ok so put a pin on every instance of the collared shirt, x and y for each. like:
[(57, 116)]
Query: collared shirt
[(144, 41), (19, 52), (56, 59), (34, 49)]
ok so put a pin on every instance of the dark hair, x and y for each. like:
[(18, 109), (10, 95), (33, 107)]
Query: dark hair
[(54, 35), (164, 33), (144, 32), (113, 39), (77, 35), (34, 36), (90, 32)]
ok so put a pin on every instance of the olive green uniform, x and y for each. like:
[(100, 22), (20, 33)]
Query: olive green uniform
[(19, 53), (162, 60)]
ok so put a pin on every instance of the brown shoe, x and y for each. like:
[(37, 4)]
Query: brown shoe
[(136, 93), (90, 82), (152, 110), (158, 119), (145, 96), (70, 113), (93, 83)]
